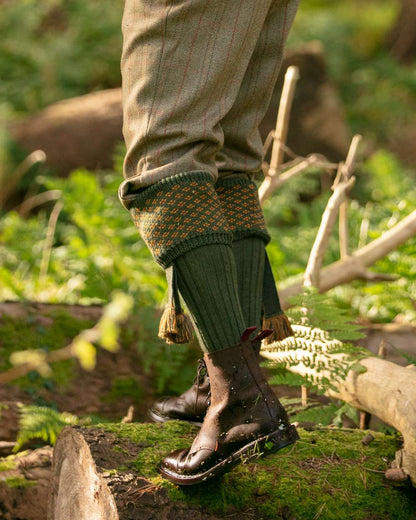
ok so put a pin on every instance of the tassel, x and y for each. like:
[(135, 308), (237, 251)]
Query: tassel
[(175, 326), (273, 316), (281, 327)]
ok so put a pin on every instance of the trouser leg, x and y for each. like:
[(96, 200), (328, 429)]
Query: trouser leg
[(243, 148), (183, 65)]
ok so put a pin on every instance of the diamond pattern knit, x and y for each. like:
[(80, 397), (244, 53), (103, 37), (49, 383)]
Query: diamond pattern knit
[(241, 207), (179, 214)]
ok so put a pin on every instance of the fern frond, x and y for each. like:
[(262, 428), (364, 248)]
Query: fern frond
[(40, 422), (313, 358)]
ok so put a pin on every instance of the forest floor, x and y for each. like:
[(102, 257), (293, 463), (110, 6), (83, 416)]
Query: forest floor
[(328, 474)]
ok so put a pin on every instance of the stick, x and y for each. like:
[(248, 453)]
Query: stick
[(354, 266), (282, 121), (50, 233), (38, 156), (327, 223), (346, 170), (270, 183)]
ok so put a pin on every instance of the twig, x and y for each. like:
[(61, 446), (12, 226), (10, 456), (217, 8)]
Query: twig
[(345, 171), (37, 200), (50, 233), (271, 183), (304, 398), (6, 188), (46, 358), (282, 121), (316, 256)]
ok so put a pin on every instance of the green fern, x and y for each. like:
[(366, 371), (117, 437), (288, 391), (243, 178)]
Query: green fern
[(318, 311), (318, 349), (39, 422)]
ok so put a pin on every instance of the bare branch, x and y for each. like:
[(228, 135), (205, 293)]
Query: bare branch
[(7, 185), (271, 183), (346, 170), (355, 266), (283, 116), (37, 200), (327, 223)]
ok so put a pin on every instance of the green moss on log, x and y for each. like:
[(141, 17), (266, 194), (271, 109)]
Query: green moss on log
[(19, 482), (328, 474)]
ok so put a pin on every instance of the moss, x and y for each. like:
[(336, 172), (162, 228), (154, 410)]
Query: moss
[(27, 333), (7, 463), (328, 474), (18, 482)]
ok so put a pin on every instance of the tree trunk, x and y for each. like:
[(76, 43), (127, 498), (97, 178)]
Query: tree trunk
[(110, 472), (402, 39)]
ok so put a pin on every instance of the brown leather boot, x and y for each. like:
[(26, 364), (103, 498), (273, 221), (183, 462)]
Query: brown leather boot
[(191, 406), (245, 420)]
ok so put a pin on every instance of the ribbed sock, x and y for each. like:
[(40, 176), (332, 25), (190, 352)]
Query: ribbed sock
[(249, 256), (207, 281)]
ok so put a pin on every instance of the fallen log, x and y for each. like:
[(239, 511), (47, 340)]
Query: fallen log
[(110, 472), (371, 384)]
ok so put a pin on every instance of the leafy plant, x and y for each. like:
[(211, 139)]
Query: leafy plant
[(316, 347), (39, 422)]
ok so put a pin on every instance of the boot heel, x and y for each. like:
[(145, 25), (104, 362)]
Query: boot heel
[(279, 439), (268, 444)]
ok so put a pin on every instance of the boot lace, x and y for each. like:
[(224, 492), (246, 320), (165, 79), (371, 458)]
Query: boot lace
[(201, 374)]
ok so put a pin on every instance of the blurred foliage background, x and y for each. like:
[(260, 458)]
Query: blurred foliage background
[(54, 49)]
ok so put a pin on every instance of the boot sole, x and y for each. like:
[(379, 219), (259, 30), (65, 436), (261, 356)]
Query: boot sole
[(157, 418), (259, 448)]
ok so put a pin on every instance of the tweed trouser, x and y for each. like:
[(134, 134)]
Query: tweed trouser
[(198, 76)]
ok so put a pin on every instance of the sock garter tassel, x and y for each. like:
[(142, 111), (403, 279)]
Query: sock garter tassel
[(273, 316), (175, 326)]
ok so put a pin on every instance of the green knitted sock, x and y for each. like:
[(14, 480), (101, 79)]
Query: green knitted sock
[(207, 281), (249, 256)]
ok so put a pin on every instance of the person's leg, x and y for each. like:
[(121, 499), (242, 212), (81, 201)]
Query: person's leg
[(181, 78), (242, 151)]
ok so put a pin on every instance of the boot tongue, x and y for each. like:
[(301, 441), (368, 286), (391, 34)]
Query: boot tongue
[(247, 333), (264, 334)]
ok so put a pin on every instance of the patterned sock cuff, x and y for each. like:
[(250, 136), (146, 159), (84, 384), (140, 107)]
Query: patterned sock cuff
[(179, 214), (240, 204)]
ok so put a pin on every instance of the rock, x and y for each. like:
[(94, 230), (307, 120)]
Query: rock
[(77, 132)]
